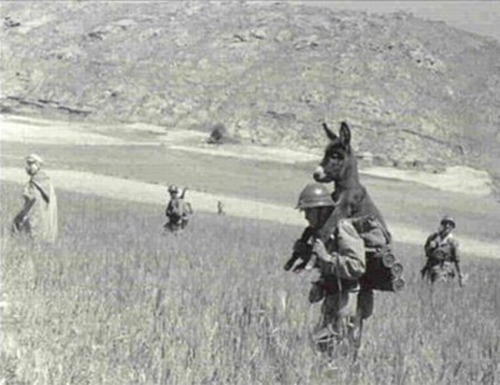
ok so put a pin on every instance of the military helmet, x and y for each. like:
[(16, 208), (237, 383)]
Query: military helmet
[(173, 189), (314, 195), (448, 219)]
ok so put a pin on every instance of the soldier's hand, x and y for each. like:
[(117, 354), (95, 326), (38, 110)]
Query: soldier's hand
[(300, 267), (319, 250), (327, 267), (323, 267)]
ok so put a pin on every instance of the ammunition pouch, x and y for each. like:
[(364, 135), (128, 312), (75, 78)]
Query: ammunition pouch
[(383, 271), (438, 256)]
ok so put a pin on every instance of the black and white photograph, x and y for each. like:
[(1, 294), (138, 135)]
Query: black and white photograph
[(249, 192)]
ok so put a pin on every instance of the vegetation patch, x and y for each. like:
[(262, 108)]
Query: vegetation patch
[(116, 302)]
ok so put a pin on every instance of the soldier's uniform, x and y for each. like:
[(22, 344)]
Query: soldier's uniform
[(177, 210), (443, 255), (341, 263), (341, 268)]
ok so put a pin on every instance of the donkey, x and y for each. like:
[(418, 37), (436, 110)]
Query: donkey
[(339, 165), (351, 199)]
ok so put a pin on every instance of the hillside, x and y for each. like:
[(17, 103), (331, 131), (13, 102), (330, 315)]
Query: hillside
[(416, 92)]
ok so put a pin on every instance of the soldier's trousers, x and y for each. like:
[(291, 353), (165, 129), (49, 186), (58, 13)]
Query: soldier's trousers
[(442, 273), (347, 304)]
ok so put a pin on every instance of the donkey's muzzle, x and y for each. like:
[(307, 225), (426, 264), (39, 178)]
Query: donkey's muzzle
[(319, 175)]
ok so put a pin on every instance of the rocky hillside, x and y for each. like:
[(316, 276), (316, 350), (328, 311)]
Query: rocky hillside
[(416, 92)]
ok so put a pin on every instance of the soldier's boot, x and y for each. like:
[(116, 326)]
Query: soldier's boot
[(326, 338)]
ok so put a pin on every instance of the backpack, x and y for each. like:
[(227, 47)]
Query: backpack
[(383, 270), (371, 230)]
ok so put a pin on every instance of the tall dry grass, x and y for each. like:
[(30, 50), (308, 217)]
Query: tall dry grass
[(116, 302)]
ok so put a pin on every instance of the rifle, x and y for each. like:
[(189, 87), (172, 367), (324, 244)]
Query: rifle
[(304, 254)]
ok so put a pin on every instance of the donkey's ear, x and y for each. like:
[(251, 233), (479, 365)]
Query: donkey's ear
[(331, 135), (345, 134)]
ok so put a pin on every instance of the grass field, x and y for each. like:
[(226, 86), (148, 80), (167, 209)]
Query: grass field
[(115, 302)]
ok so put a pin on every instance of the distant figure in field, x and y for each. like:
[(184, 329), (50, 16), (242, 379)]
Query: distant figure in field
[(178, 210), (220, 208), (442, 253), (38, 217)]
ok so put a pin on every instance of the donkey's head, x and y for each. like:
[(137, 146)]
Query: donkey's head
[(339, 162)]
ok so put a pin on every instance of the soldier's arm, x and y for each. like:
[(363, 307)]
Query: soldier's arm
[(349, 262), (348, 265), (455, 249), (460, 276)]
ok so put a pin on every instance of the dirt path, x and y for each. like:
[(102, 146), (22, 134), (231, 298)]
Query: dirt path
[(458, 179), (124, 189)]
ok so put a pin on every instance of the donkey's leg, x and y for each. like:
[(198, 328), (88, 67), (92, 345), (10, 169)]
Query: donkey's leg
[(365, 302)]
